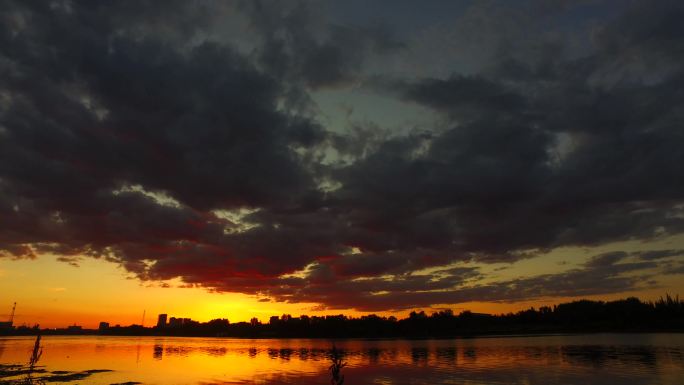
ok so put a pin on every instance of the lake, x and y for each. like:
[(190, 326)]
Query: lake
[(559, 359)]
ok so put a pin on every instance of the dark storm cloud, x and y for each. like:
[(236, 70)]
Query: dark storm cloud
[(458, 94), (602, 274), (572, 153), (659, 254), (675, 269), (300, 46), (137, 133), (92, 107)]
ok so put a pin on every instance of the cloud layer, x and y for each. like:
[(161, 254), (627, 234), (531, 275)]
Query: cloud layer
[(178, 142)]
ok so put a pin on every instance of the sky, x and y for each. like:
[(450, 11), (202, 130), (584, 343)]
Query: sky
[(238, 159)]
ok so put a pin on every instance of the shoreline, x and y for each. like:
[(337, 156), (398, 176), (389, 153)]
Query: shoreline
[(360, 338)]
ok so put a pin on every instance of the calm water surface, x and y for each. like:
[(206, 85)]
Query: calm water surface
[(578, 359)]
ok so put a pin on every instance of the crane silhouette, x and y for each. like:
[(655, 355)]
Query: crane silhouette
[(11, 317)]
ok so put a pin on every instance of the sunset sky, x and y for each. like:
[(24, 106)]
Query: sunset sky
[(239, 159)]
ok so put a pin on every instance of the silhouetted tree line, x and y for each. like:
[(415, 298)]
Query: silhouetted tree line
[(625, 315)]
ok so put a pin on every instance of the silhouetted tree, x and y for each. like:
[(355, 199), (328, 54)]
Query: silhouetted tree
[(629, 314)]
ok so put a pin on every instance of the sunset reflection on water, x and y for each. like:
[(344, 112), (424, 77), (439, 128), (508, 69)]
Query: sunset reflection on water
[(580, 359)]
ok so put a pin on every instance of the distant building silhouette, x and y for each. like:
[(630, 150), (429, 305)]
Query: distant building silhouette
[(161, 320), (103, 326), (175, 322), (178, 322), (630, 314)]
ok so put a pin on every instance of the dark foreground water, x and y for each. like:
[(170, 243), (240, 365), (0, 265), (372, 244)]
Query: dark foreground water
[(603, 359)]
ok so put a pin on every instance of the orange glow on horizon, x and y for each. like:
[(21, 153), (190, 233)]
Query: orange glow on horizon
[(55, 294)]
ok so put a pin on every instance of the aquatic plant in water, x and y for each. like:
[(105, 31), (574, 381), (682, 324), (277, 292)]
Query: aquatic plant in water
[(335, 369), (8, 371), (35, 355)]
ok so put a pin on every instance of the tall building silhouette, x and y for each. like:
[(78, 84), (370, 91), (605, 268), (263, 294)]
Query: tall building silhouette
[(161, 320)]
